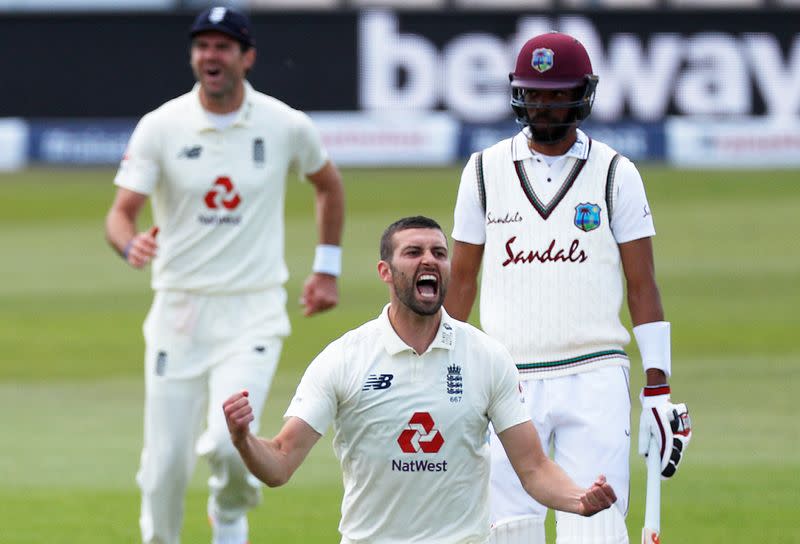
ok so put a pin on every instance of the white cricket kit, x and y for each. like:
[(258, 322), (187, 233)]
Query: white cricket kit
[(410, 430), (551, 287), (551, 292), (219, 312), (218, 195)]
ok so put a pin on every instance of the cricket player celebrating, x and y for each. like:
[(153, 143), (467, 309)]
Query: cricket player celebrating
[(410, 396), (554, 217), (214, 162)]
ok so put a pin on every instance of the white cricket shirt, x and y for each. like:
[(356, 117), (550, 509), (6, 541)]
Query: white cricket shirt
[(410, 431), (631, 220), (551, 286), (218, 195)]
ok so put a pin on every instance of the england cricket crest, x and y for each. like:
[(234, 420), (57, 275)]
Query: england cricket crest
[(258, 152), (455, 383), (161, 363), (587, 216), (542, 59)]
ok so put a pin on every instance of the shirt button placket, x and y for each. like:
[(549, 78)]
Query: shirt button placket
[(416, 361)]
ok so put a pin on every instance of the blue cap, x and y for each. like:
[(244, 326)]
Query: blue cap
[(229, 21)]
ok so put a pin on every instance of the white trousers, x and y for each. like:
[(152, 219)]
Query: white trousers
[(199, 351), (585, 419)]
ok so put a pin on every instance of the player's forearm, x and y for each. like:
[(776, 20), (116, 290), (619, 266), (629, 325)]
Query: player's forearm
[(644, 304), (121, 218), (549, 485), (463, 289), (120, 229), (330, 216), (461, 294), (460, 298), (264, 460), (330, 213), (644, 300)]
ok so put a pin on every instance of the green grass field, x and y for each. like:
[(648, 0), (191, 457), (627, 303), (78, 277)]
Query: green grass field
[(71, 349)]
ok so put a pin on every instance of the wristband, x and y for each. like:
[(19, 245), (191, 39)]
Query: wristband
[(653, 340), (127, 248), (328, 260), (655, 390), (652, 395)]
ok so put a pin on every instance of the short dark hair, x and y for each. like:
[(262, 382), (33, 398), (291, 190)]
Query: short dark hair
[(415, 222), (243, 47)]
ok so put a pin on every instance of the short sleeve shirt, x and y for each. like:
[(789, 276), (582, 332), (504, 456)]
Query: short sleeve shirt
[(218, 195), (632, 218), (410, 430)]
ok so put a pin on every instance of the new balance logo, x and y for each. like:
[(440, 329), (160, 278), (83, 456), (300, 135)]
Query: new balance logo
[(190, 152), (378, 381)]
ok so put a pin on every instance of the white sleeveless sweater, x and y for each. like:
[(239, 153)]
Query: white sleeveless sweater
[(551, 287)]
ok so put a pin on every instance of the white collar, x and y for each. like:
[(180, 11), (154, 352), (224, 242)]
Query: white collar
[(521, 151), (445, 337), (199, 117)]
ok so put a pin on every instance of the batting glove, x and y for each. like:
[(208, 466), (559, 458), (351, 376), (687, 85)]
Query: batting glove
[(668, 424)]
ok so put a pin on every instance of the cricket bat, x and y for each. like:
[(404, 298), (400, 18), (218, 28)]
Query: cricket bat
[(652, 506)]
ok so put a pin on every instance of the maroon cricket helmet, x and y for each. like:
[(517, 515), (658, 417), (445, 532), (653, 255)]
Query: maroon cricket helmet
[(549, 62)]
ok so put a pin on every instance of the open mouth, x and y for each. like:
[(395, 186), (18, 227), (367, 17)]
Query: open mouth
[(427, 285), (213, 72)]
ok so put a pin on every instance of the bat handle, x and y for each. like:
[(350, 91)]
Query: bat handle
[(652, 510), (649, 536)]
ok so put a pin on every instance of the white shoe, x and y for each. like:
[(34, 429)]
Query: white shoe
[(228, 533)]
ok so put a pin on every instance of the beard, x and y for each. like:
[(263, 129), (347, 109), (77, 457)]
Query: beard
[(549, 134), (549, 129), (406, 290)]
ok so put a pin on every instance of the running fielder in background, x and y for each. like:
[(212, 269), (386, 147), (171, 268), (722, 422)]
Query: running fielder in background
[(410, 396), (555, 218), (215, 162)]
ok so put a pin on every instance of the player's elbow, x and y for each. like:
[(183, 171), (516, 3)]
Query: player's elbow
[(275, 482), (277, 479), (273, 475)]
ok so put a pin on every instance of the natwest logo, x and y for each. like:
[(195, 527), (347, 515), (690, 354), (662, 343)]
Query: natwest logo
[(222, 194), (420, 435)]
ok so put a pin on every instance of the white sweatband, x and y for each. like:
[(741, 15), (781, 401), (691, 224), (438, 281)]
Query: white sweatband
[(328, 260), (653, 340)]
